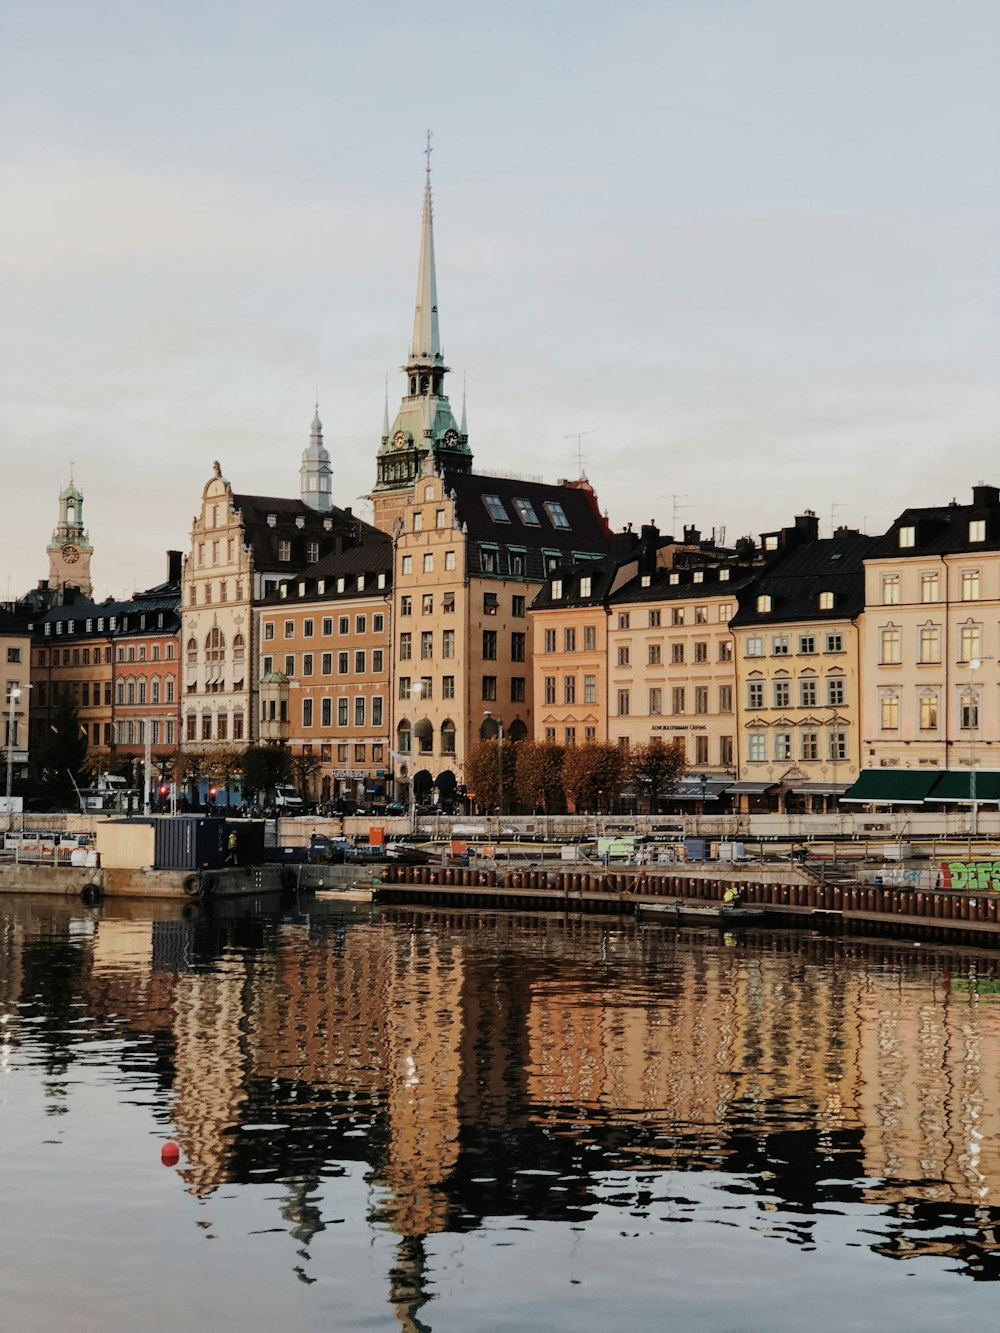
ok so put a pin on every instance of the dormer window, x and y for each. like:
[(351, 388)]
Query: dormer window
[(300, 521), (585, 585), (723, 575), (675, 578), (557, 590), (302, 589), (763, 604), (381, 581), (826, 601), (361, 583), (525, 511), (495, 509), (646, 580), (284, 549), (272, 520), (283, 590), (977, 530), (557, 515), (699, 576), (321, 586), (907, 537), (770, 543), (328, 524), (340, 585)]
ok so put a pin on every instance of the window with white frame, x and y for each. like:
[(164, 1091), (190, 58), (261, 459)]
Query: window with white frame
[(890, 589), (779, 645), (757, 747), (930, 587), (807, 692), (835, 690), (890, 645), (782, 745), (755, 694), (928, 712), (782, 693), (907, 537), (971, 643), (889, 712), (977, 530), (930, 643), (970, 585), (809, 745)]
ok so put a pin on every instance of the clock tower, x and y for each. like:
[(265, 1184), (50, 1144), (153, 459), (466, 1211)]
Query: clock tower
[(70, 549), (424, 433)]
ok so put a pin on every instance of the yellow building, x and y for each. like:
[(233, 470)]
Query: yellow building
[(931, 654), (797, 645)]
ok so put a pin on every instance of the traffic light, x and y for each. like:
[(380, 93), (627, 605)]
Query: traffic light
[(164, 789), (212, 793)]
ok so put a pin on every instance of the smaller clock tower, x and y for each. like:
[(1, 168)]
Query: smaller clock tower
[(70, 549)]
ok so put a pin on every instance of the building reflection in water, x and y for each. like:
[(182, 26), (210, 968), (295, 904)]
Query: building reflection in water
[(464, 1064)]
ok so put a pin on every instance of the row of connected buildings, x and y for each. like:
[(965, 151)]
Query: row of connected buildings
[(794, 669)]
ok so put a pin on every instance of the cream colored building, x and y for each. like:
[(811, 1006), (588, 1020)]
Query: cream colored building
[(798, 648), (242, 548), (931, 642)]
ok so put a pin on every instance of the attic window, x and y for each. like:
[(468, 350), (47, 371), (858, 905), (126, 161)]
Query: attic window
[(585, 585), (763, 603), (361, 583), (977, 530), (826, 600), (723, 575), (328, 524), (557, 590), (284, 549), (300, 521), (525, 511), (340, 585), (381, 580), (557, 515), (770, 543), (302, 589), (283, 591), (321, 586), (272, 520), (675, 578), (907, 537), (495, 509), (699, 576), (647, 579)]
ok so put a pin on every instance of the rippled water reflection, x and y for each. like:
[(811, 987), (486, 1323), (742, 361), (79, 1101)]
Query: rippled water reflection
[(485, 1122)]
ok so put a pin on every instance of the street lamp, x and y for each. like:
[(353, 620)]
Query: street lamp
[(974, 664), (15, 697), (416, 688), (498, 723)]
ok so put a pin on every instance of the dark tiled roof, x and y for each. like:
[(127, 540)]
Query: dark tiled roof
[(586, 532), (263, 538), (15, 622), (794, 581), (372, 556), (944, 529)]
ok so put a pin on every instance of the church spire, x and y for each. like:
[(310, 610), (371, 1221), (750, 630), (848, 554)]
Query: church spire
[(316, 473), (424, 423), (425, 345)]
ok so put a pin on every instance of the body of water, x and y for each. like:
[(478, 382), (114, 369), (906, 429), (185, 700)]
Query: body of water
[(464, 1121)]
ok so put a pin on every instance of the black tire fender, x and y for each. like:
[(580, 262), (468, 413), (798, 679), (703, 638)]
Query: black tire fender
[(209, 884), (91, 894), (192, 886)]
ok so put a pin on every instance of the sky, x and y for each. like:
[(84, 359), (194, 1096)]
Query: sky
[(749, 248)]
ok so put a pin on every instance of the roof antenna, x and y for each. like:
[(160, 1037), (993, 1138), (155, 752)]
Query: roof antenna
[(428, 150), (579, 437)]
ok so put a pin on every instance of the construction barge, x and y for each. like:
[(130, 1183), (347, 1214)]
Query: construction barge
[(789, 897)]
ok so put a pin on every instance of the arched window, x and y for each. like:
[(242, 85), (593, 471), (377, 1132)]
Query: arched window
[(239, 648), (119, 692), (447, 736), (424, 732), (142, 691), (154, 690), (403, 738), (169, 690), (215, 646), (516, 731), (192, 652), (130, 691)]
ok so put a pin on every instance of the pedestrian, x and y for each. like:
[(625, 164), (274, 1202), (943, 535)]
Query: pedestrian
[(231, 849)]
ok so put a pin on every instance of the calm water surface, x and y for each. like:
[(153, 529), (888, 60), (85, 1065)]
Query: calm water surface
[(461, 1122)]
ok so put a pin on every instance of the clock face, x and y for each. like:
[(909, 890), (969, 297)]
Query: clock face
[(71, 554), (399, 441), (451, 438)]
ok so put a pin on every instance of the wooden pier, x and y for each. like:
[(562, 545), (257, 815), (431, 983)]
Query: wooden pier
[(804, 902)]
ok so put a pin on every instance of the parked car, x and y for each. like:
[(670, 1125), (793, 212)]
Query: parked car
[(395, 808)]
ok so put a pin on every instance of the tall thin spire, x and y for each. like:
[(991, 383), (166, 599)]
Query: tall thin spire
[(426, 343), (385, 410), (463, 429)]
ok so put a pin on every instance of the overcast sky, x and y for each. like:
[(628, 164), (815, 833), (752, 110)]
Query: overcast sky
[(751, 246)]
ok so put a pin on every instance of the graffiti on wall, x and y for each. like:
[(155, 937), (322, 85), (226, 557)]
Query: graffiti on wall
[(978, 875)]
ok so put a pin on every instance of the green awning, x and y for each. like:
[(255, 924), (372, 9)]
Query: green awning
[(891, 786), (956, 788)]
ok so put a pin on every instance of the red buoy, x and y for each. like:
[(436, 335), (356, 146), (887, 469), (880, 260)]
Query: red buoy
[(170, 1153)]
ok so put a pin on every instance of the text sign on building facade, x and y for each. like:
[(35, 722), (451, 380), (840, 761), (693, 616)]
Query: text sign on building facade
[(971, 875)]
